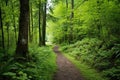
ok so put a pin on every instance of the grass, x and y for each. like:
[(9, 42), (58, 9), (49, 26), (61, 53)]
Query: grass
[(87, 72)]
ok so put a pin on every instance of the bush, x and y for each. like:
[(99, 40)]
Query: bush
[(41, 66), (98, 55)]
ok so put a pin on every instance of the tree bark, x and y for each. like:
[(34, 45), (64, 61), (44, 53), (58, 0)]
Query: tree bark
[(22, 45), (1, 25), (29, 27), (40, 38), (8, 37), (44, 24)]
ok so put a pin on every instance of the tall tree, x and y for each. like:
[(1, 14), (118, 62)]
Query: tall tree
[(22, 45), (66, 3), (1, 25), (44, 23), (8, 33), (31, 23), (99, 26), (71, 17), (40, 38), (14, 21), (72, 6)]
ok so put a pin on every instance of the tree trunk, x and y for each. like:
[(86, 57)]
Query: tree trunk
[(66, 36), (44, 24), (99, 21), (67, 4), (1, 25), (7, 24), (72, 6), (72, 16), (22, 45), (40, 38), (31, 24), (14, 21), (29, 28)]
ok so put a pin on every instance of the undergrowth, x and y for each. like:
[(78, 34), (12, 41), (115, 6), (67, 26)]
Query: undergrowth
[(87, 72), (102, 56), (40, 66)]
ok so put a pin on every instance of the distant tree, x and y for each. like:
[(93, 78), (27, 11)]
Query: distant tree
[(8, 34), (40, 37), (72, 7), (66, 3), (44, 23), (22, 45), (14, 21), (71, 17), (31, 23)]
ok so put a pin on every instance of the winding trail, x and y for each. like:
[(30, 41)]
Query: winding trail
[(66, 70)]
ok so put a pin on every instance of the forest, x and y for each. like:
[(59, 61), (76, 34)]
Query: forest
[(34, 34)]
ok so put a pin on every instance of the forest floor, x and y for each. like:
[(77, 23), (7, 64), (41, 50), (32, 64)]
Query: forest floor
[(66, 70)]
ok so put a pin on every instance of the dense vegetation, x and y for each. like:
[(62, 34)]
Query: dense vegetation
[(23, 54), (40, 66), (87, 30), (88, 51)]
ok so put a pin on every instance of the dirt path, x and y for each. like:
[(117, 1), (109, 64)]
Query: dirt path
[(66, 70)]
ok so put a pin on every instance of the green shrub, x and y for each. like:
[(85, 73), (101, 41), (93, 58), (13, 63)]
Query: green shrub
[(97, 54), (40, 66)]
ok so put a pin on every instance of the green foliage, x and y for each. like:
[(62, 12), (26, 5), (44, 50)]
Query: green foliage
[(41, 66), (97, 54), (87, 72), (92, 18), (94, 30), (113, 73)]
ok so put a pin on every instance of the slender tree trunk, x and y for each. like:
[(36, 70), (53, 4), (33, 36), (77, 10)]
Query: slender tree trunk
[(72, 16), (66, 36), (99, 21), (44, 24), (7, 24), (31, 14), (72, 6), (14, 23), (67, 4), (29, 28), (40, 39), (22, 45), (31, 24), (1, 25)]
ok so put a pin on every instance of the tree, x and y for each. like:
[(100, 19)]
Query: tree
[(40, 38), (8, 33), (31, 23), (72, 7), (44, 23), (22, 44), (71, 17), (14, 21), (1, 26), (66, 3)]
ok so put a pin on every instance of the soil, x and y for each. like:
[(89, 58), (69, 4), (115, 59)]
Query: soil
[(66, 70)]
